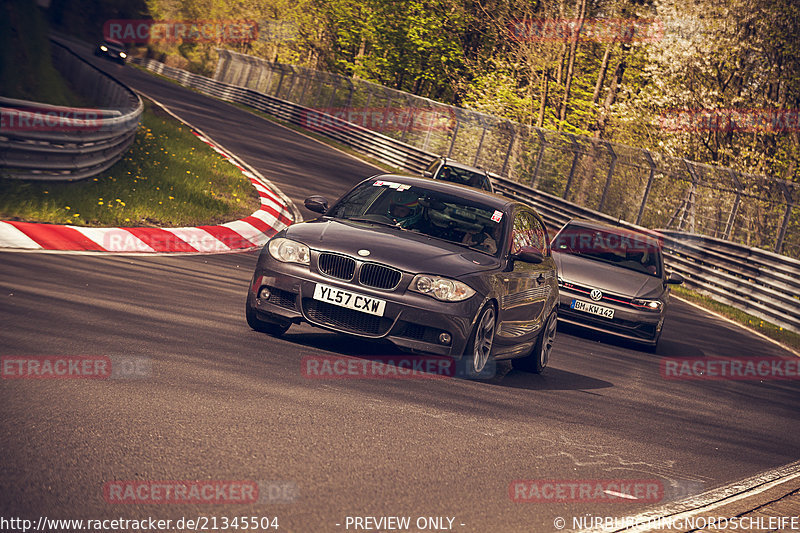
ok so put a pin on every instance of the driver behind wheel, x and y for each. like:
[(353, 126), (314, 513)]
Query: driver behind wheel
[(404, 209)]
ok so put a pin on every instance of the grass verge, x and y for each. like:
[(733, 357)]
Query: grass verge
[(782, 335), (169, 177)]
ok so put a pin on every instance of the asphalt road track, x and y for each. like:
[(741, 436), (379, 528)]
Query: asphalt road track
[(222, 402)]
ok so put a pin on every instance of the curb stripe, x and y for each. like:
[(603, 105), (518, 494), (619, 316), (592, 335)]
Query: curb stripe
[(115, 240), (16, 238), (228, 237), (250, 232), (161, 240), (56, 237), (199, 239)]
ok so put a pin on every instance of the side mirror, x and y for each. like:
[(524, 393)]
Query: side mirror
[(675, 279), (317, 204), (529, 254)]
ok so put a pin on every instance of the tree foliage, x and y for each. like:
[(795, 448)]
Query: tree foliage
[(698, 54)]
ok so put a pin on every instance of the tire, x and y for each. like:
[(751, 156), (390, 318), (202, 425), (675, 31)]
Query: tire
[(537, 360), (271, 328), (477, 362)]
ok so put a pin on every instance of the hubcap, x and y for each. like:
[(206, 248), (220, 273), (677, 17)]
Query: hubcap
[(547, 341), (484, 336)]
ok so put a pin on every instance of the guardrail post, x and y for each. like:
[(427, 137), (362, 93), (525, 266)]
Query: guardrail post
[(786, 216), (647, 187), (539, 157), (333, 95), (480, 145), (220, 63), (453, 140), (510, 147), (430, 128), (268, 85), (307, 82), (690, 198), (409, 121), (610, 175), (735, 209), (577, 149)]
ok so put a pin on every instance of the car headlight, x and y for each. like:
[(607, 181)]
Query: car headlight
[(444, 289), (289, 251), (103, 48), (648, 305), (123, 55)]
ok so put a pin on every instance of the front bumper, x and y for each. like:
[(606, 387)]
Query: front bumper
[(632, 324), (410, 320)]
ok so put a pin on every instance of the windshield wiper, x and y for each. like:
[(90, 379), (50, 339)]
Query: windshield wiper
[(373, 221)]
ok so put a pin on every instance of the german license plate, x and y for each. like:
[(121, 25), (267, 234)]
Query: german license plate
[(350, 300), (593, 309)]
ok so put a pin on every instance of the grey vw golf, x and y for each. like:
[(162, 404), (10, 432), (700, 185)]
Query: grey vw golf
[(613, 280), (431, 266)]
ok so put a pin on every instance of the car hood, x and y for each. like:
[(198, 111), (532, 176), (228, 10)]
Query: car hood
[(606, 277), (405, 250)]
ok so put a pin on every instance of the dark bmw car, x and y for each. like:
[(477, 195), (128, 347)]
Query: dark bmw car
[(613, 280), (433, 267), (111, 49)]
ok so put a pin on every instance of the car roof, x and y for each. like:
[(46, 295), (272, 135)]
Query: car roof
[(650, 237), (465, 191), (114, 43)]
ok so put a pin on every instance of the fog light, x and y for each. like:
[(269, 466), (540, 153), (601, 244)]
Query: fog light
[(444, 338), (263, 294)]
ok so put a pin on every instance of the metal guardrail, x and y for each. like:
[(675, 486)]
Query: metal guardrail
[(45, 142), (762, 283), (649, 188)]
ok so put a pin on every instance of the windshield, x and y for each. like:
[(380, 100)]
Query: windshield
[(464, 177), (438, 215), (625, 250)]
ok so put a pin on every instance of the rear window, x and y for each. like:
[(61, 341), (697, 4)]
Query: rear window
[(464, 177)]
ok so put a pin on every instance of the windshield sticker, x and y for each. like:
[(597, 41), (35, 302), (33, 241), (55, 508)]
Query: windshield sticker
[(497, 216), (392, 185)]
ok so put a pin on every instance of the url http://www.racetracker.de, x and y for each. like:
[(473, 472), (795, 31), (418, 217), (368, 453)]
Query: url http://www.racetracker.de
[(198, 523)]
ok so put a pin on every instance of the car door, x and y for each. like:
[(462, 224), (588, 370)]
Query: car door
[(526, 286)]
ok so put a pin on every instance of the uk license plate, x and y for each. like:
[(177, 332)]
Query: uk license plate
[(350, 300), (593, 309)]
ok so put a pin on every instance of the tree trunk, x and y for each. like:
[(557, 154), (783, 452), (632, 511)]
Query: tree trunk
[(601, 76), (611, 97), (543, 101), (571, 67)]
